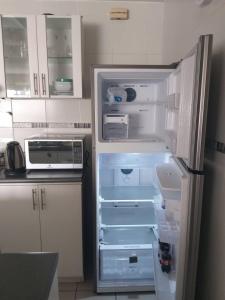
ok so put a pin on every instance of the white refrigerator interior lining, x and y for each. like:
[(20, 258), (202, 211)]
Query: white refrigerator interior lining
[(130, 210)]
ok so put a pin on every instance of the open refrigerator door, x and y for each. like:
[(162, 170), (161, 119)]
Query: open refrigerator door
[(186, 111), (178, 216)]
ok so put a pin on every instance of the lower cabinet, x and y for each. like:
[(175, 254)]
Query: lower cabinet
[(44, 217), (19, 220)]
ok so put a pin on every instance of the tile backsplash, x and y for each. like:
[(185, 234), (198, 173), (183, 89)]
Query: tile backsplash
[(24, 118)]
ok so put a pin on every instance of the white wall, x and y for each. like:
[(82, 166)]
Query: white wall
[(183, 23), (135, 41)]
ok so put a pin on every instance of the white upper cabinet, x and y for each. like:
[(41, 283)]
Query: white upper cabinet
[(19, 48), (59, 50), (41, 57)]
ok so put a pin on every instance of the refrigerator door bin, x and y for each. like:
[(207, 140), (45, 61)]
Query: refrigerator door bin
[(165, 284), (172, 210), (169, 181), (117, 263), (128, 213), (127, 236), (168, 233)]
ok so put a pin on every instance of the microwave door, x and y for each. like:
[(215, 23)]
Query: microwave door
[(192, 75), (54, 154)]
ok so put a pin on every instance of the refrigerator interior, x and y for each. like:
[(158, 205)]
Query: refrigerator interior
[(138, 204)]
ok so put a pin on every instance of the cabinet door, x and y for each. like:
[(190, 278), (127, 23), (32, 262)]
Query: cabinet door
[(2, 69), (59, 51), (20, 56), (19, 219), (61, 226)]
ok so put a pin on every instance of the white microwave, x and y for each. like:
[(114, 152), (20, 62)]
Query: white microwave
[(54, 152)]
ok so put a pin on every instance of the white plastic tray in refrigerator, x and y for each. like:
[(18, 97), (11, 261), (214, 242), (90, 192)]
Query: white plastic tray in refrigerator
[(126, 264), (169, 181)]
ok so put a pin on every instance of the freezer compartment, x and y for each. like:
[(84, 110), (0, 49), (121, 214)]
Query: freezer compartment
[(127, 236), (126, 264), (127, 213), (129, 193), (169, 181)]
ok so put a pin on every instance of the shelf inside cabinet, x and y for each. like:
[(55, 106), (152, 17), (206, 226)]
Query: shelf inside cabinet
[(130, 226), (165, 284), (142, 103), (60, 57), (128, 193)]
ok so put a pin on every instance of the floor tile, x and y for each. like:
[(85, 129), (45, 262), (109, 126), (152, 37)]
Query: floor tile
[(136, 296), (67, 287), (89, 295), (66, 295)]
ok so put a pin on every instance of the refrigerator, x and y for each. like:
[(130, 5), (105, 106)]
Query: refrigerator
[(149, 127)]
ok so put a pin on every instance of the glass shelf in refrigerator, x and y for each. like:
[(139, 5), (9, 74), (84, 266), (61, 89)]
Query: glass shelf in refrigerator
[(127, 236), (122, 214), (128, 193)]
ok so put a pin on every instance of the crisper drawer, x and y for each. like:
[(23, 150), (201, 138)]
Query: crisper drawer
[(117, 263), (128, 213)]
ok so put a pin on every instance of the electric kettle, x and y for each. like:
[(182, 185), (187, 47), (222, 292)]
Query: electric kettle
[(14, 159)]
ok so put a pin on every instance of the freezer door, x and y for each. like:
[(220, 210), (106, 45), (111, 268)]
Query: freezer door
[(189, 85)]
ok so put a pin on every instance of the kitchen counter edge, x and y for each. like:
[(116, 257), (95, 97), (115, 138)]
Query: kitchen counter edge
[(42, 176)]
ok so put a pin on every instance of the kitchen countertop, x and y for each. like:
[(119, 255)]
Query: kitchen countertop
[(27, 275), (42, 176)]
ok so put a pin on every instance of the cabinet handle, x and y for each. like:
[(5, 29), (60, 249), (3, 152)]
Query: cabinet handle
[(43, 202), (34, 196), (43, 80), (35, 84)]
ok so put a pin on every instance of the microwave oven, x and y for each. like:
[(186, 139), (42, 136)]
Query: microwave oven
[(54, 152)]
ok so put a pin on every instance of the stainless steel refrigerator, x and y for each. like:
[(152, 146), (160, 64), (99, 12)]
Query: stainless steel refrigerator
[(148, 171)]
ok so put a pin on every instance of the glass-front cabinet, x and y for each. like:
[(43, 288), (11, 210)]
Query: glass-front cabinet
[(41, 57), (60, 56), (19, 57)]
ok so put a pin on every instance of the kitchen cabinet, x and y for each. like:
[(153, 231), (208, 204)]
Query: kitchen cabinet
[(19, 219), (19, 51), (61, 226), (41, 57), (44, 217)]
